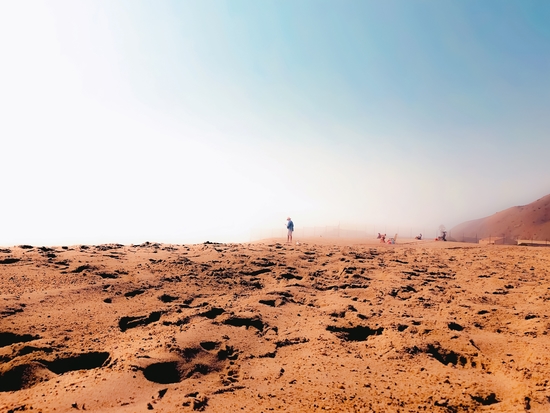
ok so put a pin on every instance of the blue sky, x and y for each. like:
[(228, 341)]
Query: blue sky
[(181, 121)]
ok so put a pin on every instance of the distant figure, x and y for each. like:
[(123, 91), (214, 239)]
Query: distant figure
[(418, 237), (379, 236), (383, 239), (443, 231), (290, 227)]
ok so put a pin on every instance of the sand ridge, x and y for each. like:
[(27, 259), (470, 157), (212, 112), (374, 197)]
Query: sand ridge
[(526, 222), (271, 326)]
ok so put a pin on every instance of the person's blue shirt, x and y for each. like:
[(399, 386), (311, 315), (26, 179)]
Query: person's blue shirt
[(290, 225)]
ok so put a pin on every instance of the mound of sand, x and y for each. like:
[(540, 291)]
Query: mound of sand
[(528, 222), (269, 326)]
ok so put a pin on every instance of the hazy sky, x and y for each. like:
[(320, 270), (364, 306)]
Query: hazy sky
[(186, 121)]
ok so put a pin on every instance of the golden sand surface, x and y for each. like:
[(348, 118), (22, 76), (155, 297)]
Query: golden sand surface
[(317, 325)]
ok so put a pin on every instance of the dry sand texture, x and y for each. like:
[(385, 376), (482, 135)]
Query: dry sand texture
[(264, 327)]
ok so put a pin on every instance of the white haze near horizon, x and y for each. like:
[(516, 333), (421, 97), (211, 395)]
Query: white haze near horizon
[(183, 122)]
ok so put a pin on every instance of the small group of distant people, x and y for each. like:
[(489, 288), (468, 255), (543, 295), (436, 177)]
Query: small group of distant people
[(382, 238)]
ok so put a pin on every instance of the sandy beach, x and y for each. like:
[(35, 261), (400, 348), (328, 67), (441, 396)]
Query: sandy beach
[(326, 325)]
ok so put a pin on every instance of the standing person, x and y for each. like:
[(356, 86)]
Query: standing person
[(290, 227)]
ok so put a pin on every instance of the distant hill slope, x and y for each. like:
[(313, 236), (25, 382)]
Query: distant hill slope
[(530, 221)]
